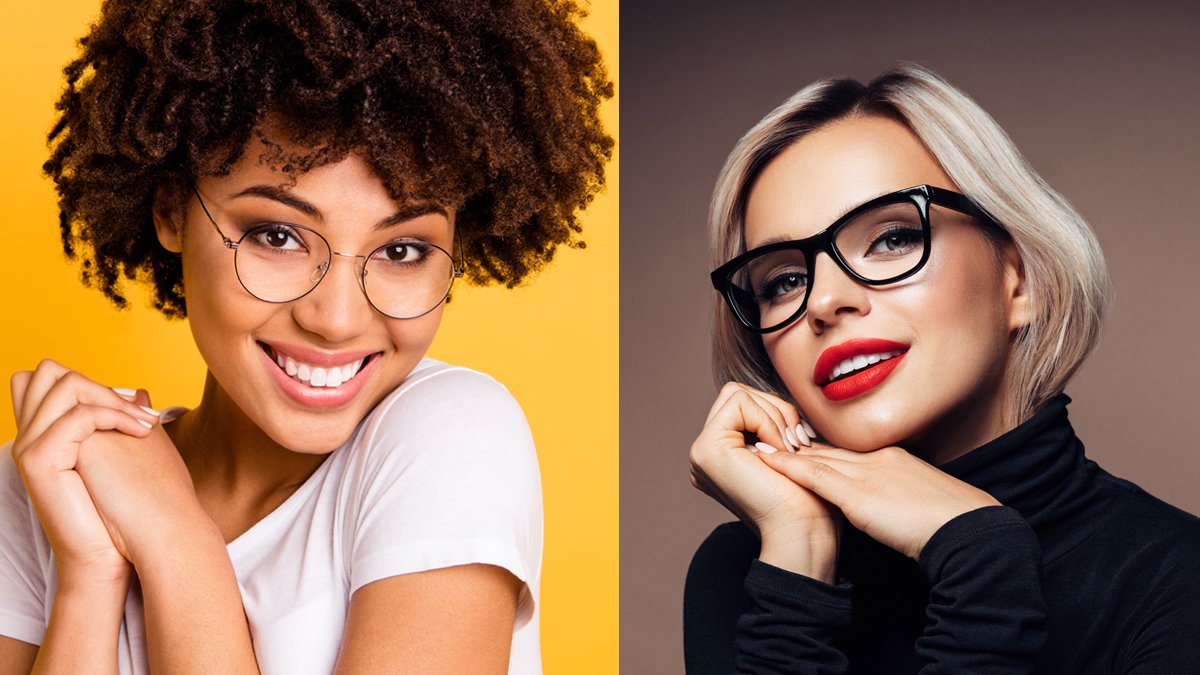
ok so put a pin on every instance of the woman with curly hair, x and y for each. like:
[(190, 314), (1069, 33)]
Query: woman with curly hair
[(304, 182)]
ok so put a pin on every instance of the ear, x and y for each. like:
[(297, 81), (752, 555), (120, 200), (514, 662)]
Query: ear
[(1020, 311), (168, 221)]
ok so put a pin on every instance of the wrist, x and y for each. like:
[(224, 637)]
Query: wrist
[(809, 551)]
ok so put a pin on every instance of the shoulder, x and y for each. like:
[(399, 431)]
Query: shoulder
[(437, 393), (1146, 522), (449, 407)]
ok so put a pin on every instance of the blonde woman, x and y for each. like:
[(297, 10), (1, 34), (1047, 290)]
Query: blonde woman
[(890, 268)]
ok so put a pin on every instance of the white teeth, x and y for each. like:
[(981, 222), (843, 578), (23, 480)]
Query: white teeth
[(317, 376), (861, 361), (335, 378)]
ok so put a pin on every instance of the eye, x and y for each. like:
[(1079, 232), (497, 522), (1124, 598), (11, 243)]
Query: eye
[(782, 286), (897, 239), (402, 253), (275, 237)]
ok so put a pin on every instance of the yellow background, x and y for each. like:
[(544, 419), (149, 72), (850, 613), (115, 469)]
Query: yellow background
[(553, 342)]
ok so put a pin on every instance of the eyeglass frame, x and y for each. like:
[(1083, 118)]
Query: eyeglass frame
[(456, 270), (920, 196)]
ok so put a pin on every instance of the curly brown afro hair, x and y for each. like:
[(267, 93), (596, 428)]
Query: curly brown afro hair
[(491, 107)]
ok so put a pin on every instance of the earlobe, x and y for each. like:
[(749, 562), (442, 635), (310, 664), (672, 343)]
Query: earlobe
[(1016, 289), (167, 223)]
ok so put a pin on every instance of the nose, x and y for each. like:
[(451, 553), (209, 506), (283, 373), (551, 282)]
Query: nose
[(834, 295), (336, 310)]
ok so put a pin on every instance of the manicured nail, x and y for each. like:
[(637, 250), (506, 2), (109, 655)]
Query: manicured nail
[(127, 393), (146, 424), (791, 438), (152, 411), (763, 447), (803, 435), (808, 428)]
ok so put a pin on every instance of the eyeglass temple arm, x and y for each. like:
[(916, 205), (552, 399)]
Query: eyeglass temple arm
[(963, 204), (229, 243)]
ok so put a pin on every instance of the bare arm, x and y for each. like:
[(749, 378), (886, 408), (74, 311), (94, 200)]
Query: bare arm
[(16, 657), (454, 620)]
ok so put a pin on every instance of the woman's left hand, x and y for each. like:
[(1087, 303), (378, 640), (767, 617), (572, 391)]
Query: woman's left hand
[(894, 497)]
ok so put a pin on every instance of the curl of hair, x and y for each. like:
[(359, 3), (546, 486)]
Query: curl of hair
[(489, 107), (1065, 274)]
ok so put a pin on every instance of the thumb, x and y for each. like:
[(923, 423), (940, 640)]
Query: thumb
[(142, 397)]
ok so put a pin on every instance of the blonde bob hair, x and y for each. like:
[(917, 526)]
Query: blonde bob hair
[(1065, 276)]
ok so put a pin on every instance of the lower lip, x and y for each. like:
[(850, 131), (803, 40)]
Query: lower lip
[(861, 382), (318, 397)]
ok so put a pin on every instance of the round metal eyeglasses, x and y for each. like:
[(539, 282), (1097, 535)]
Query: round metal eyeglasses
[(881, 241), (282, 262)]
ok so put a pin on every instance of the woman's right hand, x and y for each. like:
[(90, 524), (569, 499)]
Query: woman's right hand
[(56, 409), (799, 530)]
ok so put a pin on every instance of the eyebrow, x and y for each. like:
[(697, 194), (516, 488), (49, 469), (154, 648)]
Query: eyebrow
[(406, 212), (779, 238)]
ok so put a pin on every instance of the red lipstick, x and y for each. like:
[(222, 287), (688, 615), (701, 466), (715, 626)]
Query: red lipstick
[(861, 380)]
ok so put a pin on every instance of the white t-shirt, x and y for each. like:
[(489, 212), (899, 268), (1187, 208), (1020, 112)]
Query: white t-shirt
[(442, 472)]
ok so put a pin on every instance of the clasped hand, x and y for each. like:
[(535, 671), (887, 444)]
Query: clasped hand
[(101, 472), (791, 491)]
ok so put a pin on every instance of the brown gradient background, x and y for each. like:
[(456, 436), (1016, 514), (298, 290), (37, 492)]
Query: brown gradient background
[(1103, 100)]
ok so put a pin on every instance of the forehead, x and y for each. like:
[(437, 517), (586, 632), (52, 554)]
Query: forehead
[(820, 177)]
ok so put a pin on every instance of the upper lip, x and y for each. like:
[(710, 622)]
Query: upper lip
[(316, 357), (834, 355)]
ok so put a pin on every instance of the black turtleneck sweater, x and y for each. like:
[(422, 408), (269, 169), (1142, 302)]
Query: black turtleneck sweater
[(1078, 572)]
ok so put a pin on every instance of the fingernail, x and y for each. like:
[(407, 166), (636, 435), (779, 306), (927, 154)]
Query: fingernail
[(808, 428), (152, 411), (127, 393), (146, 424), (763, 447), (803, 435), (791, 437)]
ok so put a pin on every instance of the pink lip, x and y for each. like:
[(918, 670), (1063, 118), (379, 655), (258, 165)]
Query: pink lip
[(318, 397), (315, 357)]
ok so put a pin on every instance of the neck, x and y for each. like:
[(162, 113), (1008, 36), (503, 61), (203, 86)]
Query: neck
[(960, 430), (232, 461)]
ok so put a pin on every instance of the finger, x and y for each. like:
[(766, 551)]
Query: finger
[(784, 414), (72, 389), (742, 412), (822, 478), (57, 449), (828, 452), (142, 398), (808, 428), (17, 385), (45, 376)]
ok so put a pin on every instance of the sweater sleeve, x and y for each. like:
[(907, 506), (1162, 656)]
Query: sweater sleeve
[(1163, 637), (986, 612), (745, 616)]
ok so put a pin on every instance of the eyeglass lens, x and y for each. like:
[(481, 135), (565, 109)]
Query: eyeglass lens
[(402, 279), (878, 244)]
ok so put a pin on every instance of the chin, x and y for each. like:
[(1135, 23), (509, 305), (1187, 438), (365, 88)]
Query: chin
[(311, 439), (864, 426)]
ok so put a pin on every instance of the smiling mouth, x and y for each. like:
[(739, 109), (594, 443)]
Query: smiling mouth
[(317, 377), (857, 364)]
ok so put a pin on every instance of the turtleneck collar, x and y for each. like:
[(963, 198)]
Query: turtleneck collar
[(1037, 468)]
